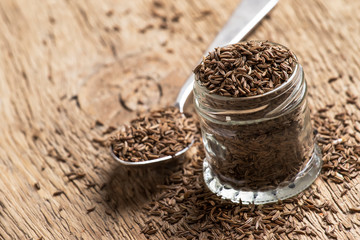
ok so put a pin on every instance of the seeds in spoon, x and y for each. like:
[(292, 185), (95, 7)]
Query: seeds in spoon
[(154, 135)]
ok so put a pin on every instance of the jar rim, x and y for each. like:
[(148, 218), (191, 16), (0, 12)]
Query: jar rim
[(288, 82)]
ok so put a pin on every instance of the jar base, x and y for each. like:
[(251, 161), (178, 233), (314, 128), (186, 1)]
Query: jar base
[(303, 180)]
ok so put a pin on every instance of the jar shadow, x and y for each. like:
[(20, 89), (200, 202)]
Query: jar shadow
[(132, 187)]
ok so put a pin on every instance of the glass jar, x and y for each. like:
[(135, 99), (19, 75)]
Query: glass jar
[(259, 149)]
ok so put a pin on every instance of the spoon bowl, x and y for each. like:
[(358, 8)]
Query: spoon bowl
[(163, 160)]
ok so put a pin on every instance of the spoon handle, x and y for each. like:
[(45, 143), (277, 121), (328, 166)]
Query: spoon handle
[(242, 21)]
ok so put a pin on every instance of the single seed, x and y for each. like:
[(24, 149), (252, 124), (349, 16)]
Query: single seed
[(37, 186), (89, 210), (57, 193)]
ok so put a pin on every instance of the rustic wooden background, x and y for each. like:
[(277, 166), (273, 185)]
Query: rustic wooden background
[(72, 70)]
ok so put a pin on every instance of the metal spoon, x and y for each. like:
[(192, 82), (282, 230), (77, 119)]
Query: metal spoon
[(243, 20)]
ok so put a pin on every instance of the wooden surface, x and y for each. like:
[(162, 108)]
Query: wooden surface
[(71, 69)]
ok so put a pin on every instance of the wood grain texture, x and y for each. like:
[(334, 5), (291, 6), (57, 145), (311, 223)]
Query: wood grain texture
[(72, 69)]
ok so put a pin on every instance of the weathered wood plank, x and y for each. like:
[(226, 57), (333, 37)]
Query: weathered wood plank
[(66, 64)]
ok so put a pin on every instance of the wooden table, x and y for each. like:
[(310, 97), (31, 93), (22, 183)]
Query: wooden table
[(72, 69)]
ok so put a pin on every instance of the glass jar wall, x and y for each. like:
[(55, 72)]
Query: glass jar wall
[(259, 149)]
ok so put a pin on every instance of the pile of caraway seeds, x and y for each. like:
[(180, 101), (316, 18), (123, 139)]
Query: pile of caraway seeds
[(246, 69), (153, 135), (185, 209)]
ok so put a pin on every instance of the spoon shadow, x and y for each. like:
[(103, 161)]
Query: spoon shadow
[(132, 187)]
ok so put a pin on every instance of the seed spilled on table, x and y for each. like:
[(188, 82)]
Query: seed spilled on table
[(185, 209), (153, 135)]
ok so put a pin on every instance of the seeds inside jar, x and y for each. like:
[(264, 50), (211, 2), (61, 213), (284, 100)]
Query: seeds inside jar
[(245, 69)]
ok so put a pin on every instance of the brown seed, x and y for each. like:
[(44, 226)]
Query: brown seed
[(151, 231), (37, 186), (89, 210), (354, 209), (58, 193), (333, 79), (77, 176), (109, 13)]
